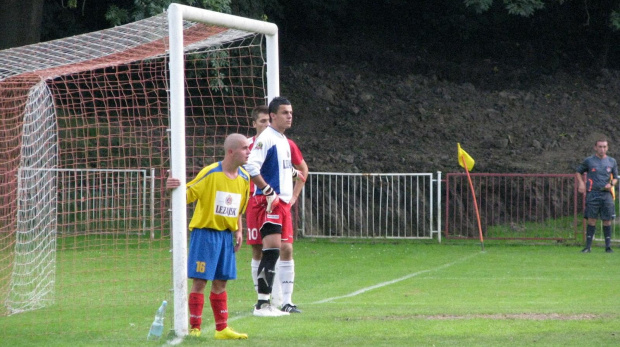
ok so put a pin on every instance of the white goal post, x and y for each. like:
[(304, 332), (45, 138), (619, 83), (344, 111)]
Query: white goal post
[(176, 14)]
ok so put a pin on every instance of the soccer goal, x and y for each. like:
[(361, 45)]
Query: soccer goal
[(91, 126), (176, 15)]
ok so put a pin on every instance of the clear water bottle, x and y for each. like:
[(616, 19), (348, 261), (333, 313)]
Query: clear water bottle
[(157, 328)]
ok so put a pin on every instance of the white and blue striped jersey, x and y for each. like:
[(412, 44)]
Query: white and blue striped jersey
[(271, 158)]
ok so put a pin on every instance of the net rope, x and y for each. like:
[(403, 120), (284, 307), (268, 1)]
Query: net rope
[(85, 148)]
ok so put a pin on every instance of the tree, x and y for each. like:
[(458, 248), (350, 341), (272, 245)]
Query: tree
[(146, 8), (26, 29), (600, 19)]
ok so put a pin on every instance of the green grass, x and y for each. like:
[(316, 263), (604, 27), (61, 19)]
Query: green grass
[(378, 294)]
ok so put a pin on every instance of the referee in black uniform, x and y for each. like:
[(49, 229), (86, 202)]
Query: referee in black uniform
[(601, 179)]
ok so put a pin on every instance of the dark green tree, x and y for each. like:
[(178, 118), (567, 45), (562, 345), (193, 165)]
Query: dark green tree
[(600, 19)]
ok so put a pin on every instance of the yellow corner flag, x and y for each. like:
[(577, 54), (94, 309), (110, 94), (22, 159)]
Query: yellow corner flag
[(465, 159)]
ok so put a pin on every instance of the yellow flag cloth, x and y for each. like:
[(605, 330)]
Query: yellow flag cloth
[(465, 159), (613, 189)]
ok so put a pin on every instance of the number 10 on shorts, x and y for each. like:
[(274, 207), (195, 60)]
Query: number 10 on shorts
[(252, 234)]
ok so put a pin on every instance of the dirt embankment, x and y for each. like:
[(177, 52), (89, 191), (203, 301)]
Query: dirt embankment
[(353, 118)]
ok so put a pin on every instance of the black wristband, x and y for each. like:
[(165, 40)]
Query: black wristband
[(267, 190)]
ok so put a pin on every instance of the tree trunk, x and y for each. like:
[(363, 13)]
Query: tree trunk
[(20, 22)]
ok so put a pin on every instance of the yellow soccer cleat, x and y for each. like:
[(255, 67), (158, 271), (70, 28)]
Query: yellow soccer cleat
[(229, 334), (195, 332)]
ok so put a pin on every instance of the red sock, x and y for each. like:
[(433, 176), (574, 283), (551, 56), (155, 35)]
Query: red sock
[(196, 302), (219, 305)]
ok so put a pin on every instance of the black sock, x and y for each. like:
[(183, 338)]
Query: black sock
[(607, 233), (266, 270), (260, 303), (590, 235)]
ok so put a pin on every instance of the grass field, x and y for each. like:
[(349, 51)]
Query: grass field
[(395, 294)]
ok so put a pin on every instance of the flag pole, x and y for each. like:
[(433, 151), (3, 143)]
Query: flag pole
[(473, 194)]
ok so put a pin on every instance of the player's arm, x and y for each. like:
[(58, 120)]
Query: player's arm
[(238, 235), (173, 183), (296, 159), (299, 184), (581, 169), (581, 186), (270, 194)]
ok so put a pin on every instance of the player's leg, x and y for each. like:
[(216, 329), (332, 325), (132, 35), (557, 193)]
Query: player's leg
[(591, 213), (198, 257), (286, 265), (257, 255), (271, 232), (225, 269), (266, 268), (196, 303), (608, 213), (286, 272), (254, 239)]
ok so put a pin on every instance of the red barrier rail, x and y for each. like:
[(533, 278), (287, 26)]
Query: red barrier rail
[(514, 206)]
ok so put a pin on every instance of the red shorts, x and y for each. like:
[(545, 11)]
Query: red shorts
[(256, 217)]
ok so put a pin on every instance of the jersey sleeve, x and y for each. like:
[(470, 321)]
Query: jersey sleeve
[(257, 156), (244, 205), (583, 167), (193, 188), (296, 157)]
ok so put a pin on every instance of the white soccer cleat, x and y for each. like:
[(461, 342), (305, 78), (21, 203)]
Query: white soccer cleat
[(268, 310)]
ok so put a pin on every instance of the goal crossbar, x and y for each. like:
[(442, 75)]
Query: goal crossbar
[(176, 14)]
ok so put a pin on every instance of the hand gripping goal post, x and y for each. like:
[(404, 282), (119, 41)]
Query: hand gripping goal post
[(176, 15)]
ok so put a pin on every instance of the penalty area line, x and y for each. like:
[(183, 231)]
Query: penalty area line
[(387, 283)]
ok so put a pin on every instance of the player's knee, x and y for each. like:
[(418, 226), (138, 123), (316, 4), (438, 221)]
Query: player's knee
[(257, 252), (286, 251)]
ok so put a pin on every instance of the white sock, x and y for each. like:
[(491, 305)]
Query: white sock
[(287, 278), (254, 265), (276, 290)]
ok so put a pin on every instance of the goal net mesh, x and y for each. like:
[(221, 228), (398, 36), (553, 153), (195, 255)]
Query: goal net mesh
[(84, 146)]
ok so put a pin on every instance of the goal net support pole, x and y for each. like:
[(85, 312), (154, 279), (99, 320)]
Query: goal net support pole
[(176, 14)]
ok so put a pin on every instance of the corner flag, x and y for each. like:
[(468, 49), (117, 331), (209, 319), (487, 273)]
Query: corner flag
[(465, 160)]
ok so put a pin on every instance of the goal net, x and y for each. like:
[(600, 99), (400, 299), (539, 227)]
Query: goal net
[(85, 148)]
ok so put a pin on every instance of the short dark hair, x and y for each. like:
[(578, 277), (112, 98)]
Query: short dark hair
[(274, 105), (600, 139), (258, 110)]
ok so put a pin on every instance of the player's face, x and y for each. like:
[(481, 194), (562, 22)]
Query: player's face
[(601, 149), (242, 153), (261, 123), (283, 119)]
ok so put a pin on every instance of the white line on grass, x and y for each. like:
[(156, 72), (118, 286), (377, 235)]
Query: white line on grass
[(211, 328), (383, 284)]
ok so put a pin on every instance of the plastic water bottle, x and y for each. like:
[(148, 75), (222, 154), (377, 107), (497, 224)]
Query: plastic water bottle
[(157, 328)]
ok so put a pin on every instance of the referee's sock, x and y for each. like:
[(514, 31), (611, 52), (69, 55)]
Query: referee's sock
[(590, 235), (607, 234)]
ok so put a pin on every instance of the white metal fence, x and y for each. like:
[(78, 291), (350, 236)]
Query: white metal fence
[(372, 205), (105, 201)]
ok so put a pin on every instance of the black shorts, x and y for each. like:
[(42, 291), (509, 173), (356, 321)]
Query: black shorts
[(600, 205)]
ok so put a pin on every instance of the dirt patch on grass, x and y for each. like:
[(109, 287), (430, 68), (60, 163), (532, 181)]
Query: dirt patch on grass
[(522, 316), (513, 316)]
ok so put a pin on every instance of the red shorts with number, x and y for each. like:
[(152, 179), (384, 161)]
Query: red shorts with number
[(256, 217)]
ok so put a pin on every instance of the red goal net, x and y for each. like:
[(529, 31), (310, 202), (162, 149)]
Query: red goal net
[(84, 221)]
